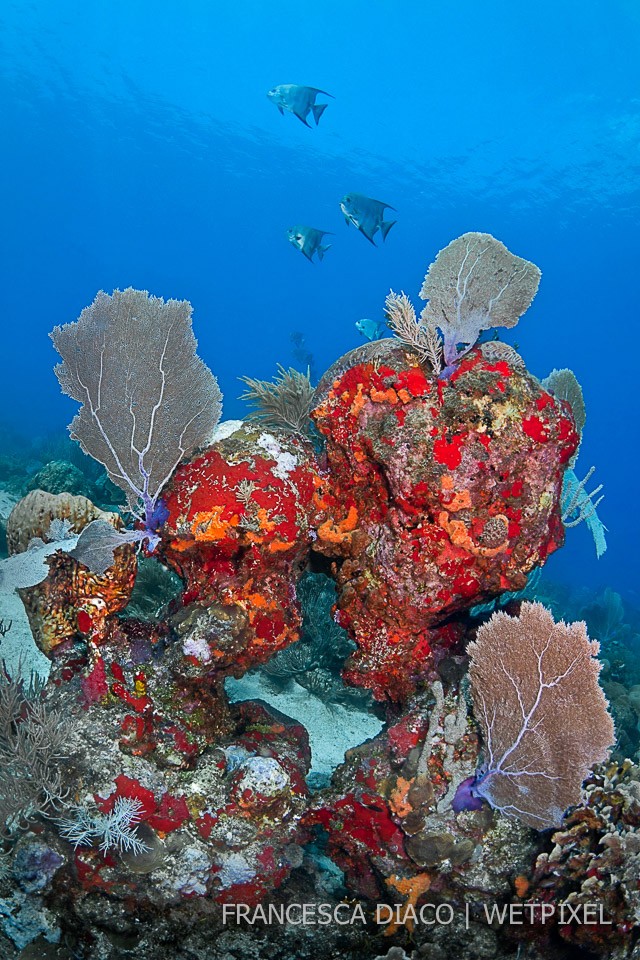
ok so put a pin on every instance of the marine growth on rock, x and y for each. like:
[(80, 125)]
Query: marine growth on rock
[(429, 482)]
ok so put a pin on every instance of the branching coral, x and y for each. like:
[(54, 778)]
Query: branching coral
[(283, 403), (34, 742), (579, 506)]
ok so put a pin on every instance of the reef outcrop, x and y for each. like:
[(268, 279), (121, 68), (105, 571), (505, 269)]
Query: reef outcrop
[(240, 520), (444, 494), (72, 599), (427, 481)]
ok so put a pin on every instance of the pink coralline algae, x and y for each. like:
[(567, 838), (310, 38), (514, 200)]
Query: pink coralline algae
[(444, 493)]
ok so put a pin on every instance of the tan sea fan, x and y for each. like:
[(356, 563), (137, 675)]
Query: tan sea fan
[(475, 284), (543, 716)]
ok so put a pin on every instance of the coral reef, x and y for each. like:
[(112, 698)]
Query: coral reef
[(393, 827), (443, 495), (71, 599), (138, 802), (240, 519), (593, 862), (170, 786)]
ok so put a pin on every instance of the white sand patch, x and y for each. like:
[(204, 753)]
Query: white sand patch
[(18, 646), (332, 730)]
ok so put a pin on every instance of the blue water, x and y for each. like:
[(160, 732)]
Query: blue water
[(139, 148)]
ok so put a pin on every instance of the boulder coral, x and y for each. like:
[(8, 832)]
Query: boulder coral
[(444, 493), (240, 521)]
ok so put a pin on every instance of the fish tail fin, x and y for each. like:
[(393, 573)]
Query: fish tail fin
[(322, 249), (318, 109), (385, 226)]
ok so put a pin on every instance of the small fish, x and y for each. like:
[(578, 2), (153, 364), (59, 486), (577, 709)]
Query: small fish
[(370, 329), (308, 240), (367, 215), (298, 100)]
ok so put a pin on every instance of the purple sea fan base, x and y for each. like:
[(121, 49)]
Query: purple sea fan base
[(465, 796)]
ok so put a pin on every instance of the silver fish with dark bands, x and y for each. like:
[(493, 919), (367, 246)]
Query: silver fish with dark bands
[(367, 215), (299, 100), (308, 241)]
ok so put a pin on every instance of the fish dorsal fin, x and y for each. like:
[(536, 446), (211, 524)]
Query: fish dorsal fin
[(323, 92), (381, 204)]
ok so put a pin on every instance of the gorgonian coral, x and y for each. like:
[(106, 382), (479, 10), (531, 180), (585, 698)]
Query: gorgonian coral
[(147, 400), (544, 719), (475, 284), (284, 403)]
